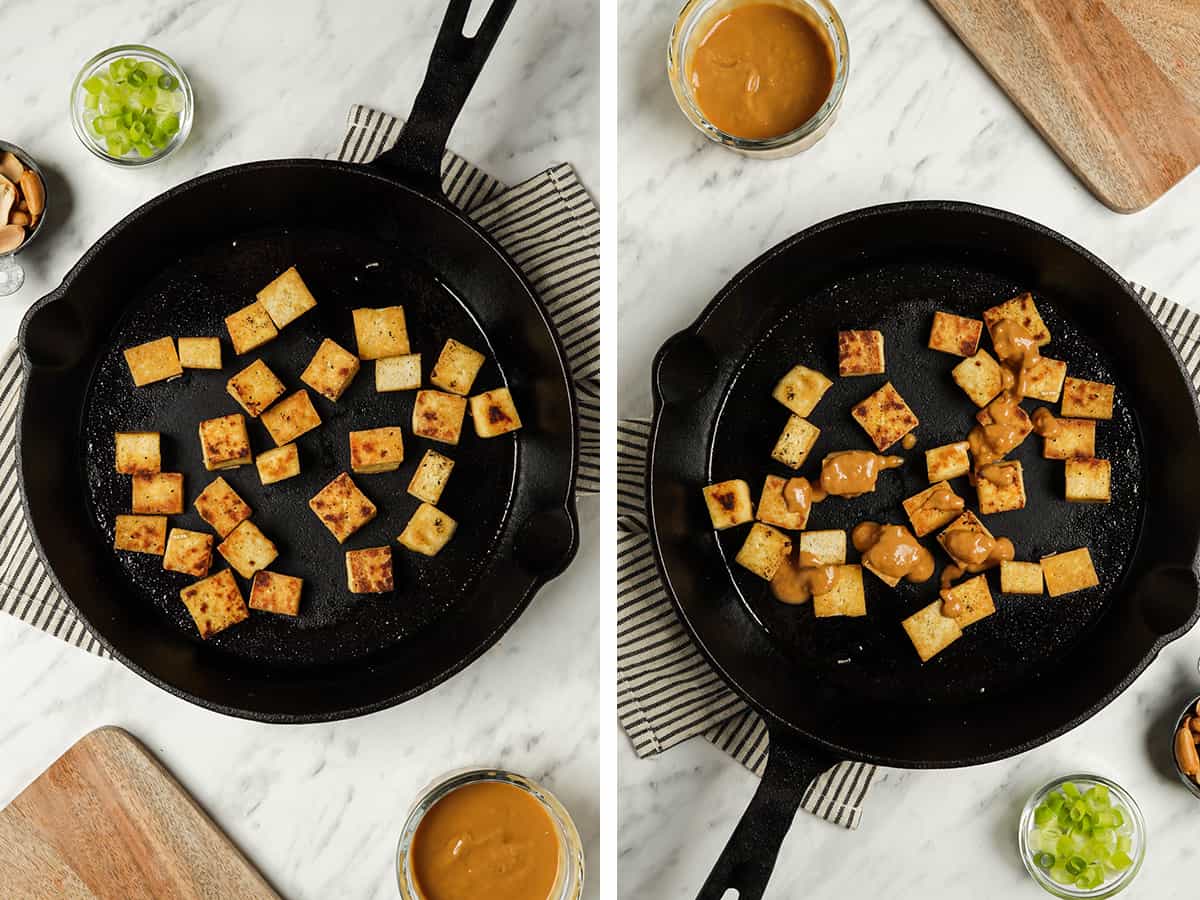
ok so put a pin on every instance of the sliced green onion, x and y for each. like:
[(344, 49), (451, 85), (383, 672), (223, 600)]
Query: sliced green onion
[(1044, 860), (1120, 861), (1076, 864), (150, 68), (137, 78), (1124, 843), (1069, 788), (1043, 815), (167, 82), (117, 144), (94, 85), (91, 101), (144, 149), (1060, 874)]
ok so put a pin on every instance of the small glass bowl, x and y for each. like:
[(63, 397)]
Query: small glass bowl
[(692, 24), (12, 276), (79, 118), (1189, 710), (1137, 850), (568, 885)]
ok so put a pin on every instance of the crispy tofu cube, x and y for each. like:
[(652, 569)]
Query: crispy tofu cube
[(980, 377), (773, 508), (825, 548), (932, 508), (255, 388), (398, 373), (431, 476), (885, 417), (456, 368), (1020, 578), (200, 352), (439, 416), (1087, 399), (796, 441), (801, 389), (215, 603), (930, 631), (494, 413), (141, 534), (1068, 572), (1045, 380), (428, 531), (1072, 438), (955, 334), (845, 598), (250, 327), (1022, 310), (342, 507), (158, 494), (286, 298), (975, 599), (1088, 480), (331, 370), (153, 361), (948, 461), (225, 443), (1001, 487), (291, 417), (278, 464), (369, 571), (381, 332), (138, 452), (968, 521), (247, 549), (220, 506), (189, 552), (763, 550), (728, 503), (376, 450), (275, 593), (860, 353)]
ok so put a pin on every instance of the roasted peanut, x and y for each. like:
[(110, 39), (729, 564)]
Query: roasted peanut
[(8, 198), (11, 237), (1185, 753), (33, 192), (10, 167), (1194, 724), (16, 217)]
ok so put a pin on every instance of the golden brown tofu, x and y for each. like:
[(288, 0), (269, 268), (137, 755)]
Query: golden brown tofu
[(431, 476), (980, 377), (1022, 310), (968, 521), (1088, 480), (275, 593), (885, 417), (494, 413), (220, 506), (141, 534), (291, 417), (376, 450), (1001, 487), (1072, 438), (764, 550), (456, 368), (138, 452), (974, 598), (428, 531), (439, 416), (247, 549), (286, 298), (1068, 572), (827, 548), (1087, 399), (278, 464), (948, 461), (369, 571), (331, 370), (255, 388), (1020, 578), (189, 552), (801, 389), (342, 507), (795, 442), (398, 373), (955, 334), (158, 494), (774, 510), (381, 332), (200, 352), (930, 631), (215, 603), (153, 361), (845, 598), (860, 353), (250, 327), (1045, 380), (224, 442), (932, 508), (728, 503)]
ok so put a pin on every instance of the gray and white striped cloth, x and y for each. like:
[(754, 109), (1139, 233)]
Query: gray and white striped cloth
[(666, 690), (549, 225)]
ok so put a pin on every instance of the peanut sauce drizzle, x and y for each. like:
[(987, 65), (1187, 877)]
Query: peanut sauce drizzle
[(1002, 423), (999, 475), (973, 552), (892, 550), (799, 495), (852, 473), (942, 499), (1045, 424), (800, 576)]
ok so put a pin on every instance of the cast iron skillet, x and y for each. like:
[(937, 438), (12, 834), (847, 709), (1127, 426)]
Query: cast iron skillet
[(854, 688), (361, 236)]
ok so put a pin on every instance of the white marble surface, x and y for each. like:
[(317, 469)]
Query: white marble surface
[(920, 120), (318, 808)]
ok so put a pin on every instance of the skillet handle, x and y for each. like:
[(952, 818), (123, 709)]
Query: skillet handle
[(453, 69), (749, 858)]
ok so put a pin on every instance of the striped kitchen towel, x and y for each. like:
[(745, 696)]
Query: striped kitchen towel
[(666, 690), (549, 225)]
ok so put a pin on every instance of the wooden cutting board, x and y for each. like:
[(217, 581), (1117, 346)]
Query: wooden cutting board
[(108, 822), (1113, 85)]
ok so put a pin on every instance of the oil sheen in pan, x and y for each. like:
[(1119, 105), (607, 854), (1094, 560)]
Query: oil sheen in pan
[(864, 656), (333, 625)]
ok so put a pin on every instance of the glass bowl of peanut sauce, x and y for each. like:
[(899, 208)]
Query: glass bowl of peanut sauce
[(764, 78)]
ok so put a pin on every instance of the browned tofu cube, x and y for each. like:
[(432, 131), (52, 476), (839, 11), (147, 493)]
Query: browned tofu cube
[(428, 531), (275, 593), (224, 442), (291, 417), (773, 508), (932, 508), (1001, 487), (824, 548), (1020, 578), (431, 476), (1068, 572), (728, 503), (153, 361), (439, 416), (764, 550), (215, 603), (342, 507), (220, 506), (973, 598), (845, 598), (955, 334), (1044, 381), (968, 521), (494, 413), (286, 298), (381, 332), (885, 417), (331, 370), (376, 450), (948, 461), (456, 368), (398, 373), (278, 464), (860, 353), (1022, 310), (1088, 480), (1087, 399), (158, 494), (930, 631), (1016, 422), (250, 327), (247, 549), (200, 352), (369, 571), (801, 389), (980, 377), (138, 452), (189, 552), (1071, 438), (142, 534), (795, 442), (255, 388)]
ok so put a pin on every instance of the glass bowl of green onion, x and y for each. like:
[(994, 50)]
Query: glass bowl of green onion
[(1082, 836), (131, 105)]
